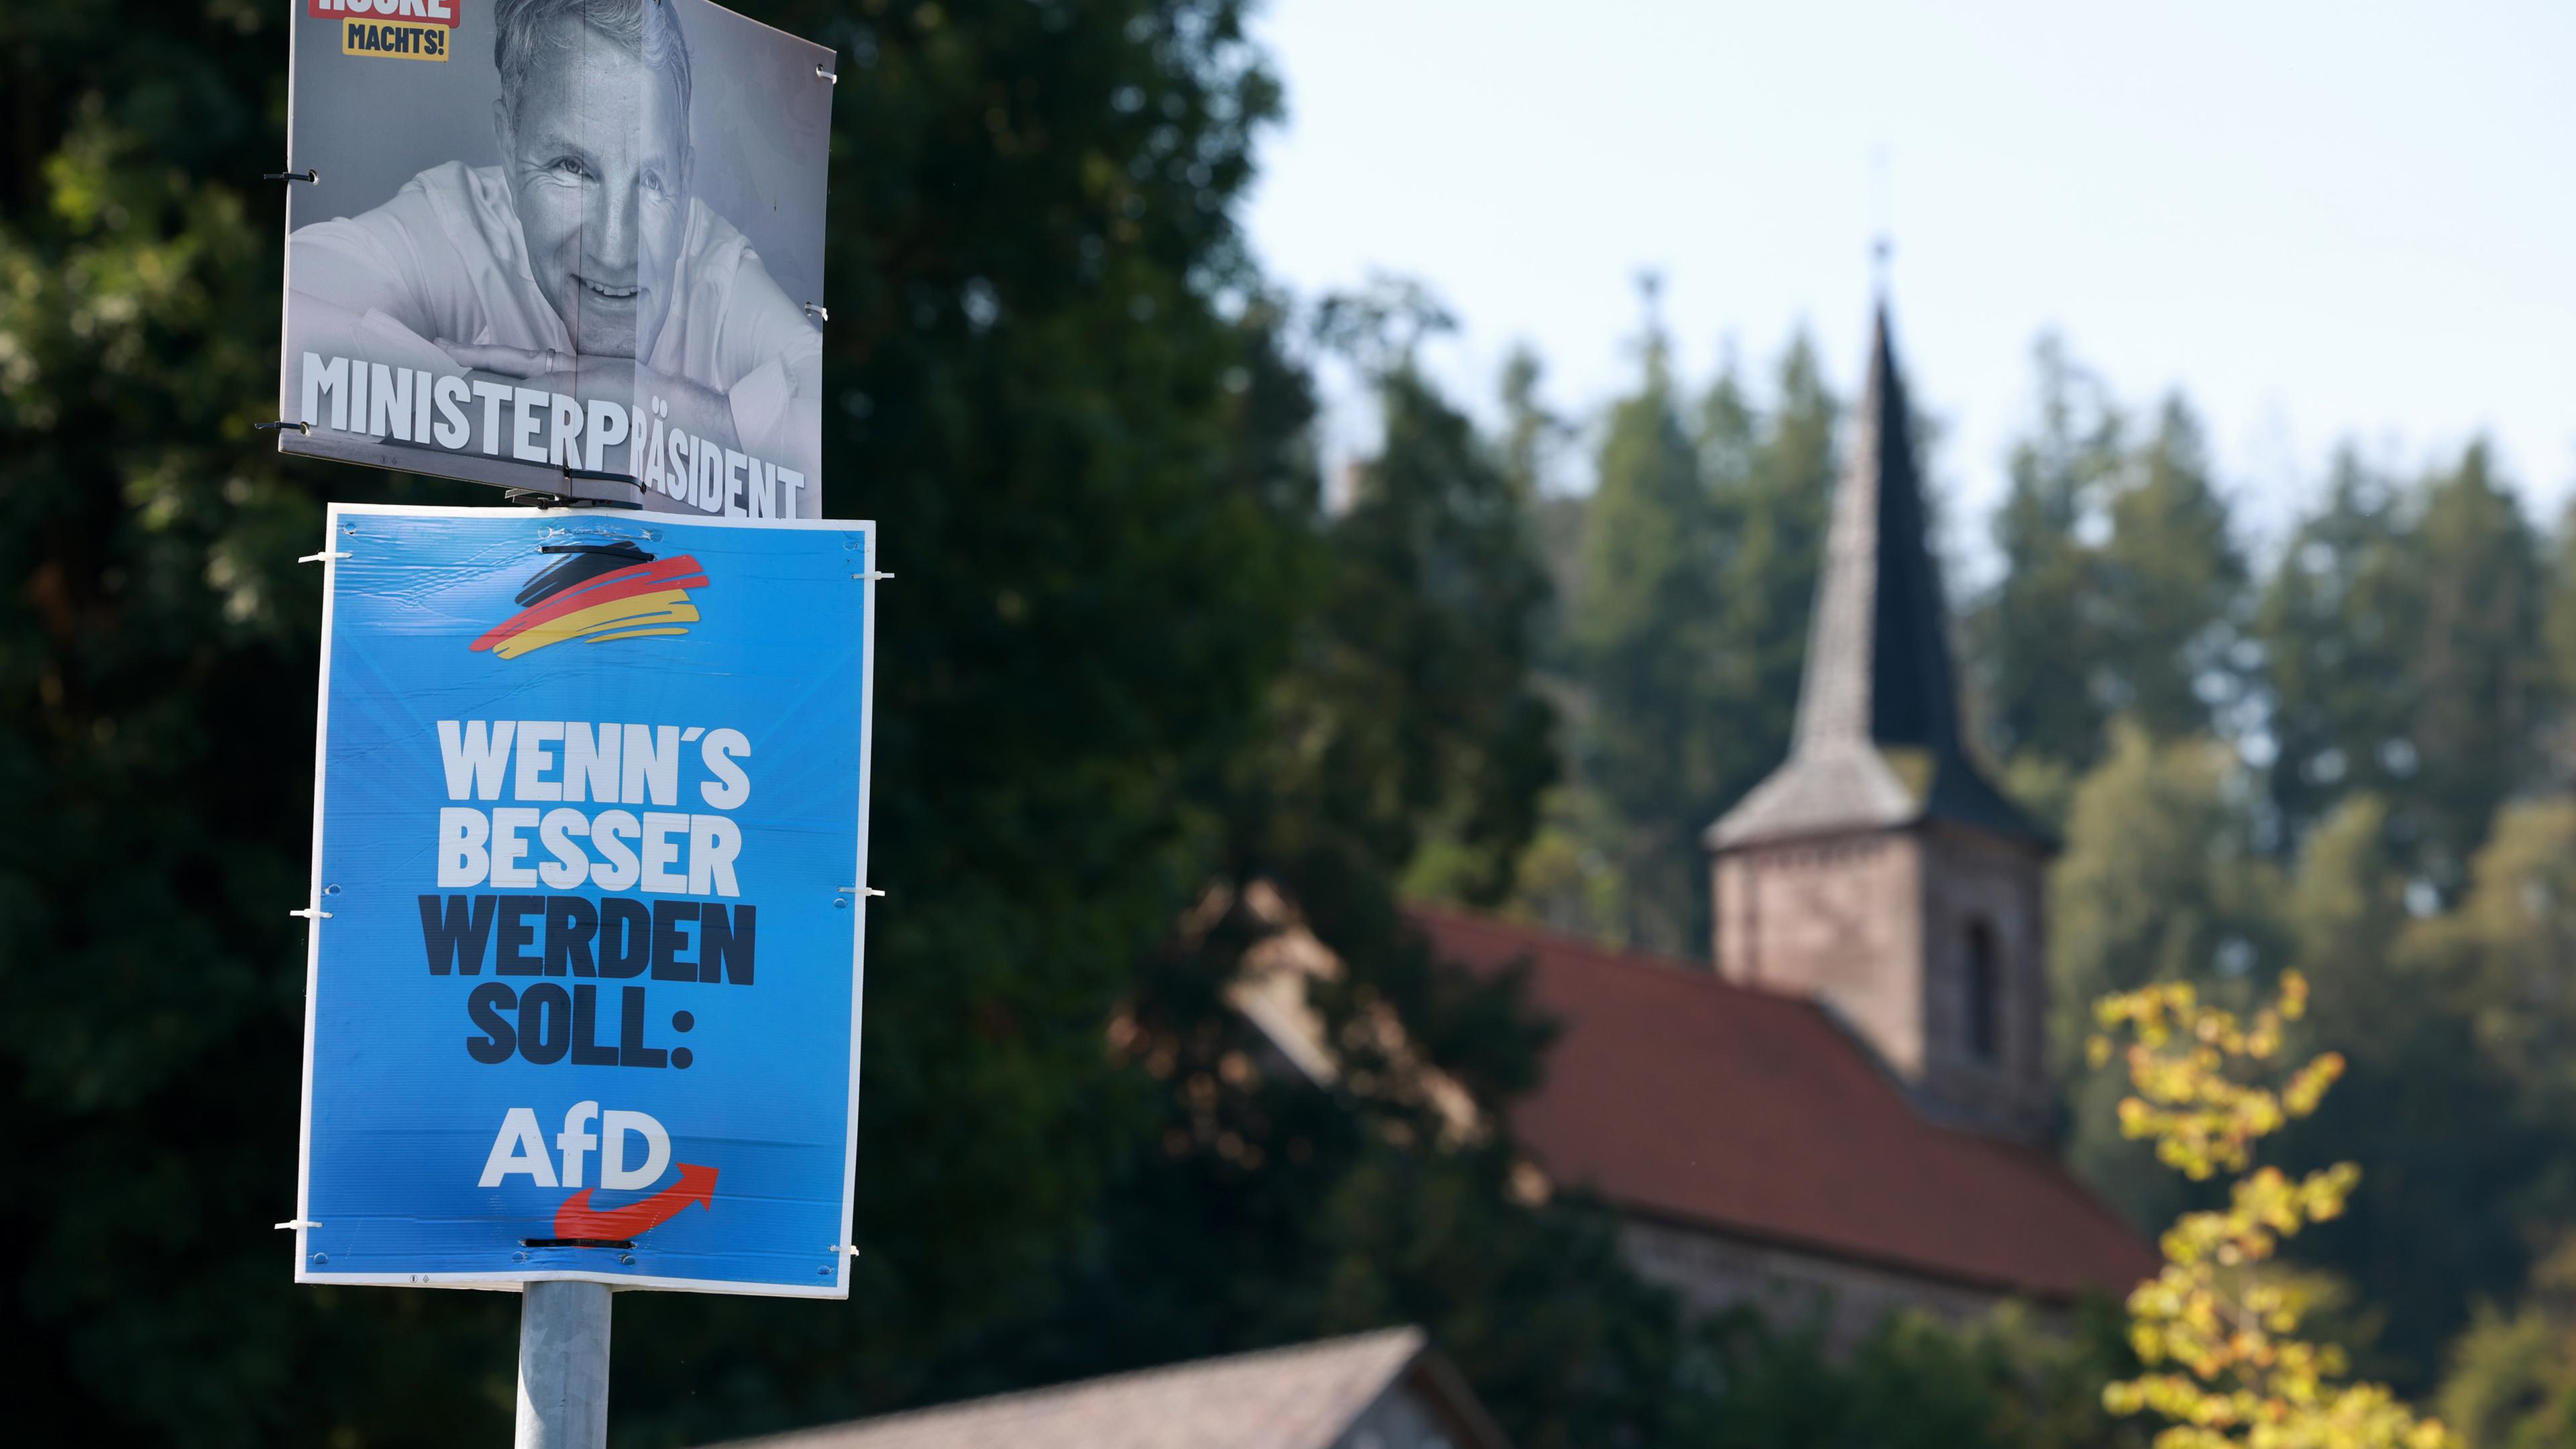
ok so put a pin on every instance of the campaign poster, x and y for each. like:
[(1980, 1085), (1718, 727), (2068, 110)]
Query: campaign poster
[(589, 892), (554, 245)]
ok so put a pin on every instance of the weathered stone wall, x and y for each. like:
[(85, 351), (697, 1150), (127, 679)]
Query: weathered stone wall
[(1970, 879), (1839, 919), (1877, 926), (1791, 1289)]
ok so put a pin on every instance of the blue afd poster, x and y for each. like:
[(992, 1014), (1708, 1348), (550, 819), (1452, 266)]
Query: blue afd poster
[(590, 858)]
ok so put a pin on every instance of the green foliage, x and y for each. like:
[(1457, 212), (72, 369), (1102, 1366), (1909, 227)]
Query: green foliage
[(1131, 678), (1420, 670), (1126, 662), (2173, 585), (2558, 639), (2470, 1030), (2401, 632), (1772, 477), (1698, 567), (2428, 1228), (2217, 1330), (159, 667), (2333, 622), (2514, 1386), (2446, 1021), (1099, 598), (2388, 683), (1643, 631), (2123, 594), (2513, 1375), (2037, 637), (2160, 882), (2008, 1381), (2509, 946), (2476, 685), (1268, 1207)]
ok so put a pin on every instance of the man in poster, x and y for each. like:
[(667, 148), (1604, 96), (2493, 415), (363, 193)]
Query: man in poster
[(582, 265)]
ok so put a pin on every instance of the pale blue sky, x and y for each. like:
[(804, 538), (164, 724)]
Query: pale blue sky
[(2319, 221)]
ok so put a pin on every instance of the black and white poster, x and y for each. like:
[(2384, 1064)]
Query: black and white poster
[(549, 244)]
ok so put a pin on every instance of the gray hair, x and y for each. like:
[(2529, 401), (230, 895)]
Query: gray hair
[(645, 28)]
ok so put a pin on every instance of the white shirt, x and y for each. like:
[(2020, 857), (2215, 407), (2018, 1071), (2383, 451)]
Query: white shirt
[(445, 258)]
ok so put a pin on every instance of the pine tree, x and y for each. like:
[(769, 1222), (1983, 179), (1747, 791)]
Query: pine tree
[(2442, 1216), (1728, 428), (1271, 1207), (2173, 583), (1772, 509), (2335, 624), (1531, 441), (1430, 733), (2123, 594), (1644, 636), (2038, 638), (2401, 638), (2558, 640), (1565, 879), (2475, 671)]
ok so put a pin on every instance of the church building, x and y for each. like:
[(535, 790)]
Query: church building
[(1853, 1111)]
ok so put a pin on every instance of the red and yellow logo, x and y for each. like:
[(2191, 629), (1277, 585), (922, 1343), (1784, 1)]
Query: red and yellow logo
[(596, 593), (410, 29)]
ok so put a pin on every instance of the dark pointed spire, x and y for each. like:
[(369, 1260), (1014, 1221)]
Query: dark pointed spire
[(1878, 736), (1878, 657)]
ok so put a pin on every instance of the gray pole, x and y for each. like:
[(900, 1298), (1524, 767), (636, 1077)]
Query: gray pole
[(563, 1367)]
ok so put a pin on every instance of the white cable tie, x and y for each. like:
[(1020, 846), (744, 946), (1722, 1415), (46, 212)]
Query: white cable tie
[(298, 1223), (849, 1248), (311, 913), (827, 75), (873, 575), (861, 891), (318, 557), (817, 309)]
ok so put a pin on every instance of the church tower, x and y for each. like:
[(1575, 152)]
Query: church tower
[(1878, 869)]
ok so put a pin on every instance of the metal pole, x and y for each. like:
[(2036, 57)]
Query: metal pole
[(563, 1367)]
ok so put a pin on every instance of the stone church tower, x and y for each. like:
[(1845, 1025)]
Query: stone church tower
[(1878, 869)]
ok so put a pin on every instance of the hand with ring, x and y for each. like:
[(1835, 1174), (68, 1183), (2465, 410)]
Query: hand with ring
[(519, 362)]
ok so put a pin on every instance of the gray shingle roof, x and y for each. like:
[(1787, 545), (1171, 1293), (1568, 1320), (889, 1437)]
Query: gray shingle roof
[(1289, 1398), (1878, 741)]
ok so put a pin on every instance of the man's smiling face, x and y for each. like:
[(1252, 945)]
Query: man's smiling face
[(597, 159)]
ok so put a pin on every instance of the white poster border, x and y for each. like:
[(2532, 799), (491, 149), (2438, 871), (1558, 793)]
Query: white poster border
[(513, 1281)]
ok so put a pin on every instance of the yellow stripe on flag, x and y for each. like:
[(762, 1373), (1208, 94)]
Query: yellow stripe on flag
[(669, 606)]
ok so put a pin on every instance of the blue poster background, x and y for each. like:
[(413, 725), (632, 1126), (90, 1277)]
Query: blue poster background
[(400, 1115)]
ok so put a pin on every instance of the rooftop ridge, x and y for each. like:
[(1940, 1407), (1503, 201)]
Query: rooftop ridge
[(1690, 972), (1404, 1343)]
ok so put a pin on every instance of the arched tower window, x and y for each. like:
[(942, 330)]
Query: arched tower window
[(1985, 994)]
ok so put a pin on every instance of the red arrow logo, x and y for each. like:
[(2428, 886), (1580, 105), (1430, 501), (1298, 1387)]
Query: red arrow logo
[(575, 1219)]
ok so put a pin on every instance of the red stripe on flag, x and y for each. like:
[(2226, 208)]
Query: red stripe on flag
[(660, 574)]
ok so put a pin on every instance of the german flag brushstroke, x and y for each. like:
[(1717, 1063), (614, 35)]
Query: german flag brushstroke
[(598, 592)]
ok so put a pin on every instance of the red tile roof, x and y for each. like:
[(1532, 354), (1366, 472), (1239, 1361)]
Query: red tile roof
[(1674, 1094)]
